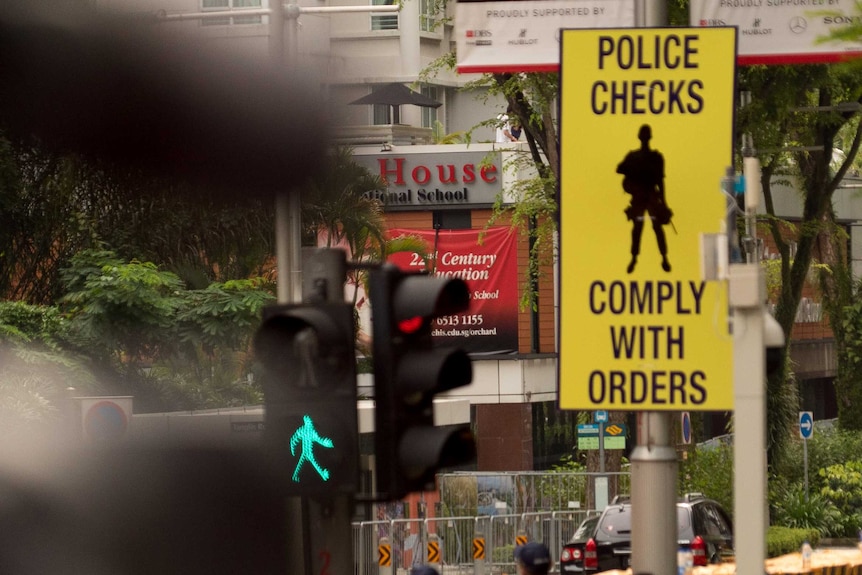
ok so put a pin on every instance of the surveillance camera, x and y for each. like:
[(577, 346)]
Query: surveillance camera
[(773, 335), (773, 343)]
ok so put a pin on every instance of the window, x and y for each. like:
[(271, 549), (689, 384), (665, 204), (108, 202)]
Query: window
[(231, 5), (427, 15), (429, 115), (452, 220), (381, 114), (384, 21), (716, 523)]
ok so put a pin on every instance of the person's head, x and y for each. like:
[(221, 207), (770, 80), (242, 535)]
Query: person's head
[(533, 558), (423, 570), (645, 134)]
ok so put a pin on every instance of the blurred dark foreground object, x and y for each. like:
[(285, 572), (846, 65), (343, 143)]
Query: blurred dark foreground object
[(141, 510), (129, 92)]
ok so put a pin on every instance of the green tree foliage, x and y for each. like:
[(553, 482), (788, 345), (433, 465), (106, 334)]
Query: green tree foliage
[(149, 274), (782, 540), (792, 138), (36, 373), (40, 221), (336, 205), (845, 318), (52, 207), (827, 447), (123, 309), (842, 487), (709, 470), (170, 347), (795, 509), (571, 485), (829, 450)]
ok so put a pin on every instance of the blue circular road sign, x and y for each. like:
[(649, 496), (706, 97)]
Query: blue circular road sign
[(806, 424), (105, 421), (686, 427)]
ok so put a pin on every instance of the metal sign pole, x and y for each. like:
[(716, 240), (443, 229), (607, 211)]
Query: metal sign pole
[(654, 460)]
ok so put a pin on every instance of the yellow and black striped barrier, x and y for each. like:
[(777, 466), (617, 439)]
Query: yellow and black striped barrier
[(384, 557), (478, 548), (478, 553), (433, 549)]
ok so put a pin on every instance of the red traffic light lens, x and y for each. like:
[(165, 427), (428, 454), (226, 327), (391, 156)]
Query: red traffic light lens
[(410, 326)]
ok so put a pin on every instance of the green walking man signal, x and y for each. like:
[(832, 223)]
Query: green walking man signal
[(308, 436), (309, 384)]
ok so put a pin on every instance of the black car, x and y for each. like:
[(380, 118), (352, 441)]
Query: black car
[(572, 557), (603, 543)]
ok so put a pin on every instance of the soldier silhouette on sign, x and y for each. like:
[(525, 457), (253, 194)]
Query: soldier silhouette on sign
[(643, 171)]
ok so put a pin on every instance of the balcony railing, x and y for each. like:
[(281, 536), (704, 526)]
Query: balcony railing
[(398, 134)]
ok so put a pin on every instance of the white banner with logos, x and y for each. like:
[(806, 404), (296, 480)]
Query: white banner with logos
[(524, 36), (782, 31)]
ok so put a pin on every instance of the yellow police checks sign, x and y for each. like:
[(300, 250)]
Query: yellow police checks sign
[(646, 137)]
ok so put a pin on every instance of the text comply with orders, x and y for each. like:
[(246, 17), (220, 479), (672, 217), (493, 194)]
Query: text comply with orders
[(647, 341)]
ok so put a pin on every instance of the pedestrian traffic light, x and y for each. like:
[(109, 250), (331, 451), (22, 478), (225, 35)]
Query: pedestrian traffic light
[(309, 386), (408, 372)]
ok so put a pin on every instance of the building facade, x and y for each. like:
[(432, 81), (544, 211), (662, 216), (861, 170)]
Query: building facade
[(350, 55)]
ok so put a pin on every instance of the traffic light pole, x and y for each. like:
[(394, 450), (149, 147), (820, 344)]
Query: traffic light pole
[(307, 352), (325, 524), (326, 521), (747, 296), (747, 299)]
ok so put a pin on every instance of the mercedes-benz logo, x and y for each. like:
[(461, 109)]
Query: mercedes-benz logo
[(798, 24)]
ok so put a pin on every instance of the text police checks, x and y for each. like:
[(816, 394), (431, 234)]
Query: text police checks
[(638, 95)]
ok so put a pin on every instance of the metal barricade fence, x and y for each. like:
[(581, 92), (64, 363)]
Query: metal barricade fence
[(550, 507), (408, 540), (503, 529), (408, 543), (455, 537), (366, 541), (528, 491)]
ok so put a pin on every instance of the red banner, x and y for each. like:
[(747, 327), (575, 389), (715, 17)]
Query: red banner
[(491, 273)]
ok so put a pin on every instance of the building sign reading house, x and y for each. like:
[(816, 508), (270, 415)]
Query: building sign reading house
[(423, 180)]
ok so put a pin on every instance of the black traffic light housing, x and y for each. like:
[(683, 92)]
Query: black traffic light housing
[(307, 352), (408, 372)]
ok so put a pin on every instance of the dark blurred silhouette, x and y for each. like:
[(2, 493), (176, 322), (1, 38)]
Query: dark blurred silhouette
[(644, 180), (123, 90), (116, 89), (141, 510)]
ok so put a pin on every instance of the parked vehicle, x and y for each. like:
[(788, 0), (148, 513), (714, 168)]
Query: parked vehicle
[(572, 557), (603, 543)]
